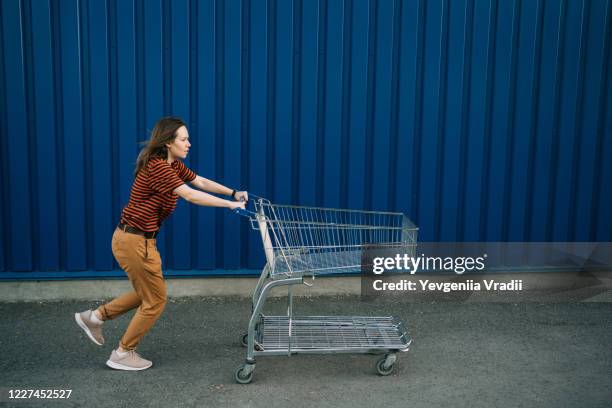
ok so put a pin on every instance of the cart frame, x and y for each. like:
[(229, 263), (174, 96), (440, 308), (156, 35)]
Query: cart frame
[(302, 242)]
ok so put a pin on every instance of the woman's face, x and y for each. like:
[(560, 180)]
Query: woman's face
[(180, 147)]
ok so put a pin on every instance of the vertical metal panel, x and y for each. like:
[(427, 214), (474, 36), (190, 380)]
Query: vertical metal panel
[(283, 106), (480, 119), (4, 216), (329, 72), (382, 103), (73, 136), (602, 201), (85, 88), (190, 239), (45, 136), (357, 107), (154, 57), (232, 141), (458, 26), (587, 173), (180, 245), (546, 130), (244, 117), (309, 51), (347, 30), (502, 119), (18, 197), (259, 126), (409, 101), (394, 108), (369, 123), (124, 48), (440, 132), (101, 147), (434, 76), (528, 71), (564, 125), (26, 21), (478, 113), (204, 87)]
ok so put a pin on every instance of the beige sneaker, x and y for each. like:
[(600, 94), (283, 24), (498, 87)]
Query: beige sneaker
[(131, 361), (93, 330)]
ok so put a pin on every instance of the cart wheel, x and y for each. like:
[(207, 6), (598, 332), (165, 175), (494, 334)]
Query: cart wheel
[(245, 340), (241, 378), (380, 367)]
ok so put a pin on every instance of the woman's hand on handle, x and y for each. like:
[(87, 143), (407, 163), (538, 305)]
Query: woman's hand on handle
[(241, 196), (237, 204)]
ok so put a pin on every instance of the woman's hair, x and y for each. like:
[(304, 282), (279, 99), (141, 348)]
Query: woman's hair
[(164, 132)]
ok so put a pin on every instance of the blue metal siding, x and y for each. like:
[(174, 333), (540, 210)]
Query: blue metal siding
[(483, 120)]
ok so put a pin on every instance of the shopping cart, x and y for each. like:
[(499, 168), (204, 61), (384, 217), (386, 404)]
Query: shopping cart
[(303, 242)]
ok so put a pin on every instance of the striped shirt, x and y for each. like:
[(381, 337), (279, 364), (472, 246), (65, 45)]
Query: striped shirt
[(152, 199)]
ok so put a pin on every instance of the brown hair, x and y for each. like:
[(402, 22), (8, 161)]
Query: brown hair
[(163, 133)]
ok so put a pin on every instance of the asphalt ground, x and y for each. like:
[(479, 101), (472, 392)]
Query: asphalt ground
[(463, 355)]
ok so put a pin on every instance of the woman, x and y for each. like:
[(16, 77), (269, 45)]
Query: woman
[(160, 179)]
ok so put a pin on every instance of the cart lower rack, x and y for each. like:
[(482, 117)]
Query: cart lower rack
[(319, 334), (309, 241)]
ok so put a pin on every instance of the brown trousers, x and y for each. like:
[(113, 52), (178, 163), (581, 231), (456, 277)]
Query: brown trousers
[(139, 258)]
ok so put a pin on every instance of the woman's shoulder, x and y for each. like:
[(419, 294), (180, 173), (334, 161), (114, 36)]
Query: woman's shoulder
[(156, 166), (157, 162)]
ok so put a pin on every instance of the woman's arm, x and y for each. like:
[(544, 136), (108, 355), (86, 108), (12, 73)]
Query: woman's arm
[(205, 199), (205, 184)]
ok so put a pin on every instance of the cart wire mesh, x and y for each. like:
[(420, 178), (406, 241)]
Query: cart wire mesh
[(303, 240)]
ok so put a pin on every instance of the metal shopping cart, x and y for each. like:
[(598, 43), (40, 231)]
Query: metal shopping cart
[(303, 242)]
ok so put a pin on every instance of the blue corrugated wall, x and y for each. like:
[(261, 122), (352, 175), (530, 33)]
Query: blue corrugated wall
[(483, 120)]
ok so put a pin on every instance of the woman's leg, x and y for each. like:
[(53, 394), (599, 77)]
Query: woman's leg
[(149, 285), (141, 261), (125, 248), (119, 306)]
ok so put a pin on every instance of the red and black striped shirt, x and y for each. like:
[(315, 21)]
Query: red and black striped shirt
[(152, 199)]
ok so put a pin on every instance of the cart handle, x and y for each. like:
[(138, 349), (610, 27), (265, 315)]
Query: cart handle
[(244, 213), (255, 196), (247, 213)]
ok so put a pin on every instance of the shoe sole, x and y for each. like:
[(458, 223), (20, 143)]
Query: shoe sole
[(83, 326), (118, 366)]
